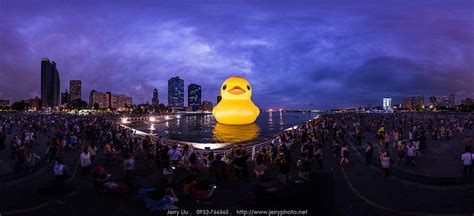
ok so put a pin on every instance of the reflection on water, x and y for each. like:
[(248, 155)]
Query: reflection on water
[(204, 128), (235, 133)]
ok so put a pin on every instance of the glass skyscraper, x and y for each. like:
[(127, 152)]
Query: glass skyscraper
[(50, 85), (176, 93), (154, 100), (194, 96)]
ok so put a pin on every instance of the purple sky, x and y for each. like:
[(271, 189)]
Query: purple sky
[(296, 54)]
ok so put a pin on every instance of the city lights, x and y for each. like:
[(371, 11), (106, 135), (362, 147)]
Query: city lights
[(124, 120), (152, 119)]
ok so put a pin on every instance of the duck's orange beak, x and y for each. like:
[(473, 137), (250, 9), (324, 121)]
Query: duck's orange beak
[(236, 90)]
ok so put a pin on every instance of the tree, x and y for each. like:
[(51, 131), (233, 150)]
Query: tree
[(20, 106), (96, 106), (420, 108), (77, 104)]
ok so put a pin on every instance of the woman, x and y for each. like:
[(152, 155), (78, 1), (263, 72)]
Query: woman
[(369, 151), (260, 167), (319, 155), (186, 154), (385, 161), (284, 168), (344, 155), (402, 152)]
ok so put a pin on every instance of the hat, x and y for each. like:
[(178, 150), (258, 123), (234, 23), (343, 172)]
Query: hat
[(99, 169)]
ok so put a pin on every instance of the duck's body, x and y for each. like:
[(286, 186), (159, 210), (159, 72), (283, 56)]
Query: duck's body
[(236, 106), (236, 112)]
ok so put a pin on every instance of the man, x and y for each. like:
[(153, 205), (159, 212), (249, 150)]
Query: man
[(3, 136), (467, 162), (217, 168), (174, 154), (129, 167), (86, 162)]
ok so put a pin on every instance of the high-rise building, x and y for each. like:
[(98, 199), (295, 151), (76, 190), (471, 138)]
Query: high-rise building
[(442, 101), (468, 102), (413, 102), (207, 106), (75, 90), (387, 103), (119, 101), (109, 100), (219, 98), (65, 97), (4, 103), (194, 96), (154, 100), (99, 98), (35, 104), (176, 93), (49, 83)]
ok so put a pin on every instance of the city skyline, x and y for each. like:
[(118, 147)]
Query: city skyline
[(333, 56)]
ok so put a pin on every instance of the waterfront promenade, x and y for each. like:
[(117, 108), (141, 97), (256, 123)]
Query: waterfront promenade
[(354, 189)]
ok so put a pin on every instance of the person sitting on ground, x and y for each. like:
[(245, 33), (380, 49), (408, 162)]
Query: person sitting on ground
[(100, 176), (174, 155), (203, 190), (156, 199), (188, 182), (32, 160), (60, 170)]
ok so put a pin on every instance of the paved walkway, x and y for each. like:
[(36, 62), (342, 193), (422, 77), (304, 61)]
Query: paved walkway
[(354, 190), (334, 190), (7, 166), (440, 158)]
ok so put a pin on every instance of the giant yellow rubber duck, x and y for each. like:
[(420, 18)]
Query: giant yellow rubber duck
[(236, 106)]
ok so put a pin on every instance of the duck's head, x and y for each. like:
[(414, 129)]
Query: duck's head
[(236, 88)]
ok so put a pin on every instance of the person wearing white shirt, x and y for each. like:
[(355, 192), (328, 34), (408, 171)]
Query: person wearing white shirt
[(174, 153), (467, 158), (411, 154), (86, 162)]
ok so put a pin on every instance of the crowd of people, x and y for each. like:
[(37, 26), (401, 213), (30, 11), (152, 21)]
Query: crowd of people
[(101, 143)]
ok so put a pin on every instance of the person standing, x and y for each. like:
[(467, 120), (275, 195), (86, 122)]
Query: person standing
[(129, 168), (385, 161), (319, 155), (369, 151), (60, 170), (467, 162), (93, 151), (3, 136), (86, 162), (411, 154), (344, 155)]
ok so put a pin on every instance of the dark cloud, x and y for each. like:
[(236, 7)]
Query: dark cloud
[(302, 54)]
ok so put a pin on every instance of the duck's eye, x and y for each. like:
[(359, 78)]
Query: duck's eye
[(248, 87), (224, 87)]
